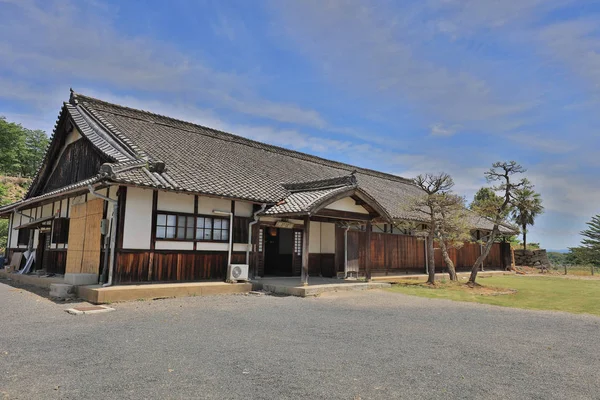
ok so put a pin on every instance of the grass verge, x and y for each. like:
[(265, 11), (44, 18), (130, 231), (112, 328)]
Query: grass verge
[(536, 293)]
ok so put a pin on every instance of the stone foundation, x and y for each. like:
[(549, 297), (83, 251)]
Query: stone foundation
[(531, 258)]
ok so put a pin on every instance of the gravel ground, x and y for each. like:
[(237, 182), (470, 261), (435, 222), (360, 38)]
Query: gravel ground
[(355, 345)]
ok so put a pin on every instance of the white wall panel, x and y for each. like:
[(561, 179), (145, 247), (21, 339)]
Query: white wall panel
[(177, 202), (206, 205), (347, 204), (211, 246), (243, 209), (173, 245), (314, 241), (327, 238), (138, 219)]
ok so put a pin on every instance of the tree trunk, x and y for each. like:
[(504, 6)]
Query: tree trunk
[(484, 254), (430, 258), (448, 260), (524, 237)]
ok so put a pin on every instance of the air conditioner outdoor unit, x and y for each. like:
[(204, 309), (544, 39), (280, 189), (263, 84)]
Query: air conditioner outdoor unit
[(237, 272)]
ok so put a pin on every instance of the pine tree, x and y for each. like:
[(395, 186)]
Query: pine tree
[(591, 240)]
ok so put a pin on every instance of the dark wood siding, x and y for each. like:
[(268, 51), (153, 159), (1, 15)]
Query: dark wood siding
[(79, 161), (321, 265), (240, 229), (60, 230), (138, 266), (400, 254), (465, 257), (55, 261)]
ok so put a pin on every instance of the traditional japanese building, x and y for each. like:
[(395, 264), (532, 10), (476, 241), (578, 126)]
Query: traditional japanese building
[(128, 196)]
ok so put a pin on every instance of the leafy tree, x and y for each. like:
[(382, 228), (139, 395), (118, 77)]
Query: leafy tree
[(23, 149), (452, 228), (501, 173), (3, 221), (483, 198), (12, 142), (36, 143), (527, 206), (445, 214)]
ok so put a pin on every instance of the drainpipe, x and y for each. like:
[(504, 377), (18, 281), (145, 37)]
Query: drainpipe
[(230, 233), (250, 225), (113, 237), (346, 251)]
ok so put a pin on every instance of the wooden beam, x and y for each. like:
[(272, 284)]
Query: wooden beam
[(368, 252), (344, 215), (305, 254), (195, 221), (121, 200), (153, 221)]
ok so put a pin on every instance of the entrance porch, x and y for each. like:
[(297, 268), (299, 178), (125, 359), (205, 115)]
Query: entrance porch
[(316, 285)]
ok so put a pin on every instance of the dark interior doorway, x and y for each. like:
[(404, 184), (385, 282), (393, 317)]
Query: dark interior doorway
[(40, 252), (279, 251)]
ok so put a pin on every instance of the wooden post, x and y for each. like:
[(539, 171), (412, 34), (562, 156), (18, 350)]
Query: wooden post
[(305, 254), (368, 252)]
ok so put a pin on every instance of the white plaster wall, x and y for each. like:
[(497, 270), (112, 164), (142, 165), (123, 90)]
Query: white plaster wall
[(211, 246), (177, 202), (347, 204), (206, 205), (314, 241), (13, 221), (243, 209), (64, 211), (46, 211), (327, 238), (138, 219), (172, 245)]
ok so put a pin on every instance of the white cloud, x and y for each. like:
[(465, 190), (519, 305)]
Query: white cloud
[(443, 130), (66, 44), (387, 55)]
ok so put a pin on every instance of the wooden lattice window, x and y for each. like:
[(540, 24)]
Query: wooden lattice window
[(298, 243), (212, 229), (260, 240), (174, 227)]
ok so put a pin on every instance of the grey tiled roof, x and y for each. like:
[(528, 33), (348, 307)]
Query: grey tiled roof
[(152, 150), (74, 187), (304, 202)]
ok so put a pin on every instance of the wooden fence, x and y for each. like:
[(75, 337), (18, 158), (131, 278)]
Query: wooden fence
[(400, 254)]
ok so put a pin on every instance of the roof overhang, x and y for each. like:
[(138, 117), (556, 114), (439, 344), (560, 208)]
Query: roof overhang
[(314, 203), (36, 223)]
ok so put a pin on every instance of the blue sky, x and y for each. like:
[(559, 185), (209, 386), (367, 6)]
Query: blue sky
[(402, 87)]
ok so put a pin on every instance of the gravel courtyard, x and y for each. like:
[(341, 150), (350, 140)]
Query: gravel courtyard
[(360, 345)]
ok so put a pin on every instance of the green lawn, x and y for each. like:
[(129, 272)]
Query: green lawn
[(538, 293)]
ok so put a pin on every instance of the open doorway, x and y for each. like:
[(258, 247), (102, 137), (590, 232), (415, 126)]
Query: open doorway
[(279, 251)]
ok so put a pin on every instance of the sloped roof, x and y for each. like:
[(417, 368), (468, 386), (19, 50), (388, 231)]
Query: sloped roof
[(307, 198), (156, 151)]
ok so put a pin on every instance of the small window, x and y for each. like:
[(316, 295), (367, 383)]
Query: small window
[(209, 228), (204, 228), (175, 227), (60, 230), (220, 229), (23, 237)]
